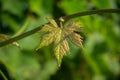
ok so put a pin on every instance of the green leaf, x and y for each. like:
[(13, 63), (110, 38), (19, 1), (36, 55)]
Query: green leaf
[(73, 26), (46, 40), (47, 28), (52, 30), (57, 50), (58, 35), (52, 22), (76, 39), (60, 50)]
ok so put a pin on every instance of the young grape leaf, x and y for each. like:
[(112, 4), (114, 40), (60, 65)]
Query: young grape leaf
[(57, 35), (4, 37), (61, 46), (61, 50), (47, 39), (76, 39), (73, 26)]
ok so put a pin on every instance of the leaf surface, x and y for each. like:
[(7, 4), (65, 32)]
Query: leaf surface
[(58, 35)]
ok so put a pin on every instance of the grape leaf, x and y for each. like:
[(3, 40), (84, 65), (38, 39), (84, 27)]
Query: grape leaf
[(58, 35), (47, 39), (73, 26), (76, 39), (61, 50), (61, 46)]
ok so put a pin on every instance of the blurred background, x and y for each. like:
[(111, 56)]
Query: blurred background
[(101, 35)]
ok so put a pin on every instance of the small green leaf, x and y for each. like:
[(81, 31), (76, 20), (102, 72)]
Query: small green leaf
[(60, 50), (46, 40), (57, 54), (73, 26), (58, 35), (65, 47), (76, 39), (52, 22), (47, 28), (57, 49)]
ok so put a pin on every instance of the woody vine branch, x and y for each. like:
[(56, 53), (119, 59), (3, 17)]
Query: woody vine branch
[(66, 18)]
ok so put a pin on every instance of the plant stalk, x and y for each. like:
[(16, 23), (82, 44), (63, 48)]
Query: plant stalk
[(66, 18)]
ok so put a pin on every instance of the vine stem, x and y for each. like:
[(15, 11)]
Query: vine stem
[(90, 13), (66, 18)]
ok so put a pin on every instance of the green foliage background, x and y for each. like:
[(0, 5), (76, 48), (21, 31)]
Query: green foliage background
[(101, 33)]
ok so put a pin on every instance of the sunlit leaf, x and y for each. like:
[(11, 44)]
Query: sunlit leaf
[(52, 22), (60, 50), (65, 46), (61, 46), (76, 39), (57, 35), (47, 39), (47, 28), (73, 26)]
